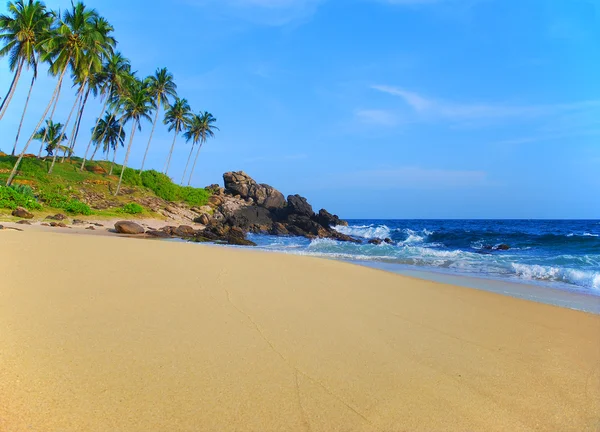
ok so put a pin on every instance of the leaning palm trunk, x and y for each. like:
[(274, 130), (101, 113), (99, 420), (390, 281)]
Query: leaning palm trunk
[(116, 147), (94, 133), (23, 115), (78, 123), (151, 134), (94, 154), (11, 90), (53, 109), (62, 135), (187, 164), (73, 131), (195, 160), (126, 158), (55, 95), (170, 153)]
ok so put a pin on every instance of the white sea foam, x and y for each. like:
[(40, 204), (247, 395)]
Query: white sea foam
[(587, 279), (365, 231)]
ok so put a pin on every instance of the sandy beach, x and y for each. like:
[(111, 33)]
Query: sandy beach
[(105, 334)]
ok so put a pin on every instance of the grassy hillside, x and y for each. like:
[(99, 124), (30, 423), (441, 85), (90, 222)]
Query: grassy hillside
[(91, 192)]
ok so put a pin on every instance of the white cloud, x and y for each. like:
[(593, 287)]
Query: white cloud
[(433, 108)]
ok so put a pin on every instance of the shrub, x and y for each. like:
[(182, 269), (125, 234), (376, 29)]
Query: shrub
[(11, 198), (132, 177), (194, 196), (132, 208), (160, 184), (76, 207), (55, 197), (24, 190)]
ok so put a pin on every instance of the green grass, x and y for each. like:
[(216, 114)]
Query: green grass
[(69, 190)]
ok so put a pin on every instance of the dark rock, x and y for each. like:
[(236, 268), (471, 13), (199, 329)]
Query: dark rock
[(170, 230), (24, 222), (158, 234), (307, 225), (328, 220), (184, 231), (298, 205), (78, 222), (343, 237), (502, 247), (46, 224), (58, 225), (237, 237), (251, 218), (279, 229), (1, 227), (57, 217), (242, 185), (203, 219), (128, 227), (388, 241), (91, 228), (376, 242), (97, 224), (22, 213)]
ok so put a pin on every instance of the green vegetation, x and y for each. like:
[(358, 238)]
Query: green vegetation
[(78, 44), (91, 191), (132, 208)]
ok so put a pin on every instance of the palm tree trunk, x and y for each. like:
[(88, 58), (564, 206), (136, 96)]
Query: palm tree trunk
[(116, 147), (170, 153), (53, 109), (126, 157), (94, 154), (55, 95), (11, 90), (23, 115), (78, 123), (62, 135), (74, 128), (94, 133), (195, 160), (151, 134), (187, 164)]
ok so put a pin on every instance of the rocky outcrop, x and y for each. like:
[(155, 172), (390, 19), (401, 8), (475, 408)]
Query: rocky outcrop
[(328, 220), (128, 227), (298, 205), (22, 213), (263, 195)]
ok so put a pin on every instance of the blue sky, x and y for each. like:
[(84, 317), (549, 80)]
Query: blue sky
[(376, 108)]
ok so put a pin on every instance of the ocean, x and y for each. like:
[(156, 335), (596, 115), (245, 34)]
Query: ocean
[(560, 254)]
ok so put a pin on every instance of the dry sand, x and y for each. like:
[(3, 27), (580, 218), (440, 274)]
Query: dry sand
[(106, 334)]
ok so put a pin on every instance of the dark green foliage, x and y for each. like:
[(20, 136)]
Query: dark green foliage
[(76, 207), (132, 208), (131, 177), (11, 198), (164, 188), (24, 190), (55, 197)]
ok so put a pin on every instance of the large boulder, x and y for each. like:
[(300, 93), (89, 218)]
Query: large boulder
[(299, 205), (240, 183), (184, 231), (328, 220), (128, 227), (251, 218), (22, 213), (237, 237), (57, 217)]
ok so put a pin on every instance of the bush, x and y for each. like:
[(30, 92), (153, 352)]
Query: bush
[(163, 187), (55, 197), (24, 190), (11, 198), (76, 207), (132, 208), (194, 196), (131, 177)]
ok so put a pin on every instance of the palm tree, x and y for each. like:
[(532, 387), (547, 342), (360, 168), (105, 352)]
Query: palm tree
[(115, 73), (65, 46), (202, 128), (177, 117), (137, 106), (23, 32), (108, 134), (52, 136), (160, 87)]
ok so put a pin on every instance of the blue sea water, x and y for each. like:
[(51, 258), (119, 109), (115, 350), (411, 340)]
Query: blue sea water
[(559, 254)]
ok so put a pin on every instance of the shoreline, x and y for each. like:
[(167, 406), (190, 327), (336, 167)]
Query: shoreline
[(569, 298), (230, 339)]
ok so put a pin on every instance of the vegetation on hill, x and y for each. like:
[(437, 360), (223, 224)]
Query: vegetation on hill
[(79, 43), (91, 191)]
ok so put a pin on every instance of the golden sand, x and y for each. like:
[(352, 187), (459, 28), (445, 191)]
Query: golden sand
[(103, 334)]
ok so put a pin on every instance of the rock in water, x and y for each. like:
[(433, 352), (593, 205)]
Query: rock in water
[(128, 227), (328, 220), (22, 213), (237, 237), (300, 206), (503, 247)]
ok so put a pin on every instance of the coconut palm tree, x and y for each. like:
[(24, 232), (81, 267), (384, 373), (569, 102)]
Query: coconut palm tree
[(65, 46), (23, 33), (115, 72), (136, 106), (177, 117), (108, 134), (22, 30), (160, 87), (202, 129), (52, 136)]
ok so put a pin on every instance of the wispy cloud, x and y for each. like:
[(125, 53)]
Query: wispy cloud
[(377, 117), (434, 108), (412, 178)]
